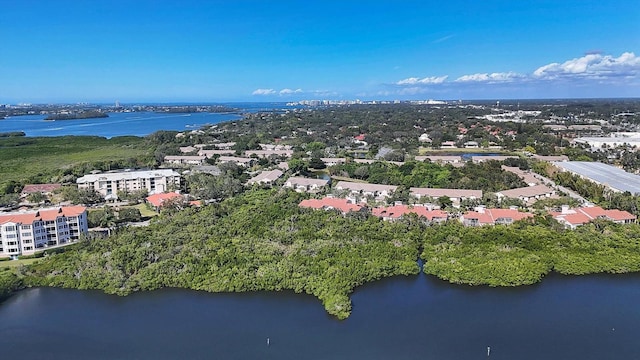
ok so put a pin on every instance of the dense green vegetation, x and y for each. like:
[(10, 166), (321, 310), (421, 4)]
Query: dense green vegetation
[(524, 253), (486, 176), (79, 115), (9, 282), (258, 241), (59, 159)]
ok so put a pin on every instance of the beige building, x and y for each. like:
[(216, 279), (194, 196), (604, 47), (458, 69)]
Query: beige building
[(266, 177), (455, 195), (302, 184), (108, 184), (184, 159), (529, 194), (376, 190)]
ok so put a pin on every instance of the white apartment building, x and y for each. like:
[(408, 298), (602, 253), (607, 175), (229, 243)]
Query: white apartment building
[(22, 233), (108, 184)]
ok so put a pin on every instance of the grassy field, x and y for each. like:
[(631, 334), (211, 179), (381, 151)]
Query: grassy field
[(16, 263), (145, 211), (26, 158)]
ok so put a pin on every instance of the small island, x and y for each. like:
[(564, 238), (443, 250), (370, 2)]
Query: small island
[(77, 116)]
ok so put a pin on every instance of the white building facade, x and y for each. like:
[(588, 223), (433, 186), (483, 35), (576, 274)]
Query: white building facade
[(23, 233), (108, 184)]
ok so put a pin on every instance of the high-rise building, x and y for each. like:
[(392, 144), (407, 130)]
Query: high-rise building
[(23, 233)]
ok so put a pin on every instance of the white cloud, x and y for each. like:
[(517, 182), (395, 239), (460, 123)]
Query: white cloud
[(444, 38), (423, 81), (491, 78), (263, 92), (594, 66), (290, 92)]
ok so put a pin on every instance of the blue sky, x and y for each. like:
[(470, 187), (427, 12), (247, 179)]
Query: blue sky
[(241, 50)]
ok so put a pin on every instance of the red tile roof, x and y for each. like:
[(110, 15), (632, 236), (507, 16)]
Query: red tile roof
[(41, 188), (490, 216), (396, 212), (343, 205), (583, 215), (158, 199), (41, 215)]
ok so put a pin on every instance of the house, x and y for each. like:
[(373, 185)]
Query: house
[(471, 145), (213, 152), (275, 147), (375, 190), (269, 153), (333, 161), (283, 166), (440, 159), (240, 161), (391, 213), (344, 206), (184, 159), (448, 145), (526, 176), (482, 216), (108, 184), (44, 189), (187, 149), (370, 161), (424, 138), (483, 158), (265, 177), (22, 233), (302, 184), (551, 158), (224, 146), (529, 194), (572, 218), (456, 195), (157, 200)]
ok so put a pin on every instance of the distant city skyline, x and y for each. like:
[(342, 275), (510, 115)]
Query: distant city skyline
[(71, 51)]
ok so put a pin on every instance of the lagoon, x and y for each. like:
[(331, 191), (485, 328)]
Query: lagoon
[(588, 317)]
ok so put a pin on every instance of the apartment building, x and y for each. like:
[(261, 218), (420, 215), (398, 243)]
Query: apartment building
[(379, 192), (572, 218), (483, 216), (22, 233), (455, 195), (108, 184)]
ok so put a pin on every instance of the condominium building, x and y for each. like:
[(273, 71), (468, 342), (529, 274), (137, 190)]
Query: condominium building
[(22, 233), (108, 184)]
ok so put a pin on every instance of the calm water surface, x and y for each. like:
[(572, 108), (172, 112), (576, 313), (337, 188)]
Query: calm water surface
[(117, 124), (136, 123), (594, 317)]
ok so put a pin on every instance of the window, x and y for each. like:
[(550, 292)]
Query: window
[(10, 228), (25, 234), (26, 227)]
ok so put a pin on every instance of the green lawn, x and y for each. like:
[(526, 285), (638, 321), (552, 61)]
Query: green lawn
[(16, 263), (145, 211)]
